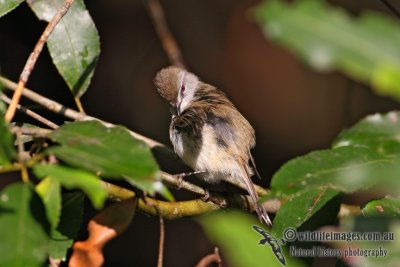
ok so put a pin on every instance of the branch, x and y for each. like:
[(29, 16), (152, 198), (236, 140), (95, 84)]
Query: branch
[(391, 8), (161, 244), (167, 39), (30, 113), (30, 63), (215, 257)]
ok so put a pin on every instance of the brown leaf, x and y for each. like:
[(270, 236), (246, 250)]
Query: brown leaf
[(106, 225)]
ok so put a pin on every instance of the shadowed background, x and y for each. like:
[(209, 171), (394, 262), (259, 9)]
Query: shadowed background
[(293, 109)]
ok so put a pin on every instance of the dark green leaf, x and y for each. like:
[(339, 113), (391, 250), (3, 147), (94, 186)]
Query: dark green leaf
[(74, 44), (363, 47), (49, 190), (387, 206), (68, 229), (112, 152), (23, 236), (8, 5), (75, 179), (380, 132), (346, 169), (7, 151), (300, 208), (233, 233)]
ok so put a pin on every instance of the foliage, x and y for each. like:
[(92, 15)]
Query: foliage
[(43, 215), (364, 48)]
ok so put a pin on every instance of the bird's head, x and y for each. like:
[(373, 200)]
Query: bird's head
[(177, 86)]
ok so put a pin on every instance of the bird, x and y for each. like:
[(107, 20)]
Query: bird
[(208, 133)]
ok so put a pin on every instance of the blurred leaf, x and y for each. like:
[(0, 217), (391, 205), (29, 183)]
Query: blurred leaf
[(7, 151), (380, 132), (70, 223), (112, 152), (105, 226), (388, 206), (8, 5), (49, 190), (74, 44), (23, 239), (299, 208), (364, 48), (75, 179), (234, 234)]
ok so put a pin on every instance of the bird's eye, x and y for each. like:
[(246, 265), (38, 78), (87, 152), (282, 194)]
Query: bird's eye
[(183, 88)]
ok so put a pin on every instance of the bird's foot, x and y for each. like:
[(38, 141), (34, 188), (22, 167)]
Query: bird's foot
[(181, 176), (206, 196)]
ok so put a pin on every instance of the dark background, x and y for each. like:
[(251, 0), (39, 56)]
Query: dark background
[(293, 109)]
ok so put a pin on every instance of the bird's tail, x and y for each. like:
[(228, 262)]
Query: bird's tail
[(260, 209)]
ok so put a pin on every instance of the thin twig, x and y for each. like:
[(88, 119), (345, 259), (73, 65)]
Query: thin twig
[(38, 132), (30, 113), (212, 258), (167, 39), (391, 7), (30, 63), (161, 244)]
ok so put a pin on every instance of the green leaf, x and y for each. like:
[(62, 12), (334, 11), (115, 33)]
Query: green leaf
[(49, 190), (7, 151), (299, 208), (388, 206), (346, 169), (70, 223), (364, 47), (8, 5), (112, 152), (74, 44), (380, 132), (233, 232), (75, 179), (23, 237)]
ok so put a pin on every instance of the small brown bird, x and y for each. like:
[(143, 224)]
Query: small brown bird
[(208, 132)]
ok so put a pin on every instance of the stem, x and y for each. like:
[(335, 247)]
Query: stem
[(30, 113), (167, 39), (30, 63)]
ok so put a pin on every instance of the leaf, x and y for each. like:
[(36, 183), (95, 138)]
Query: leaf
[(23, 238), (365, 47), (75, 179), (7, 151), (345, 169), (299, 208), (380, 132), (70, 223), (8, 5), (388, 206), (105, 226), (233, 232), (49, 190), (74, 44), (112, 152)]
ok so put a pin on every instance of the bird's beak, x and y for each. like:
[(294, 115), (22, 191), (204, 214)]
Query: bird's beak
[(178, 108)]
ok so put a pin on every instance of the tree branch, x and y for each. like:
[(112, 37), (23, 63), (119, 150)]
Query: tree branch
[(30, 63), (30, 113), (212, 258), (167, 39)]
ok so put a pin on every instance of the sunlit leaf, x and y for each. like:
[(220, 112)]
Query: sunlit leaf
[(380, 132), (49, 189), (233, 232), (75, 179), (365, 47), (74, 44), (8, 5), (112, 152), (23, 235), (388, 206)]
